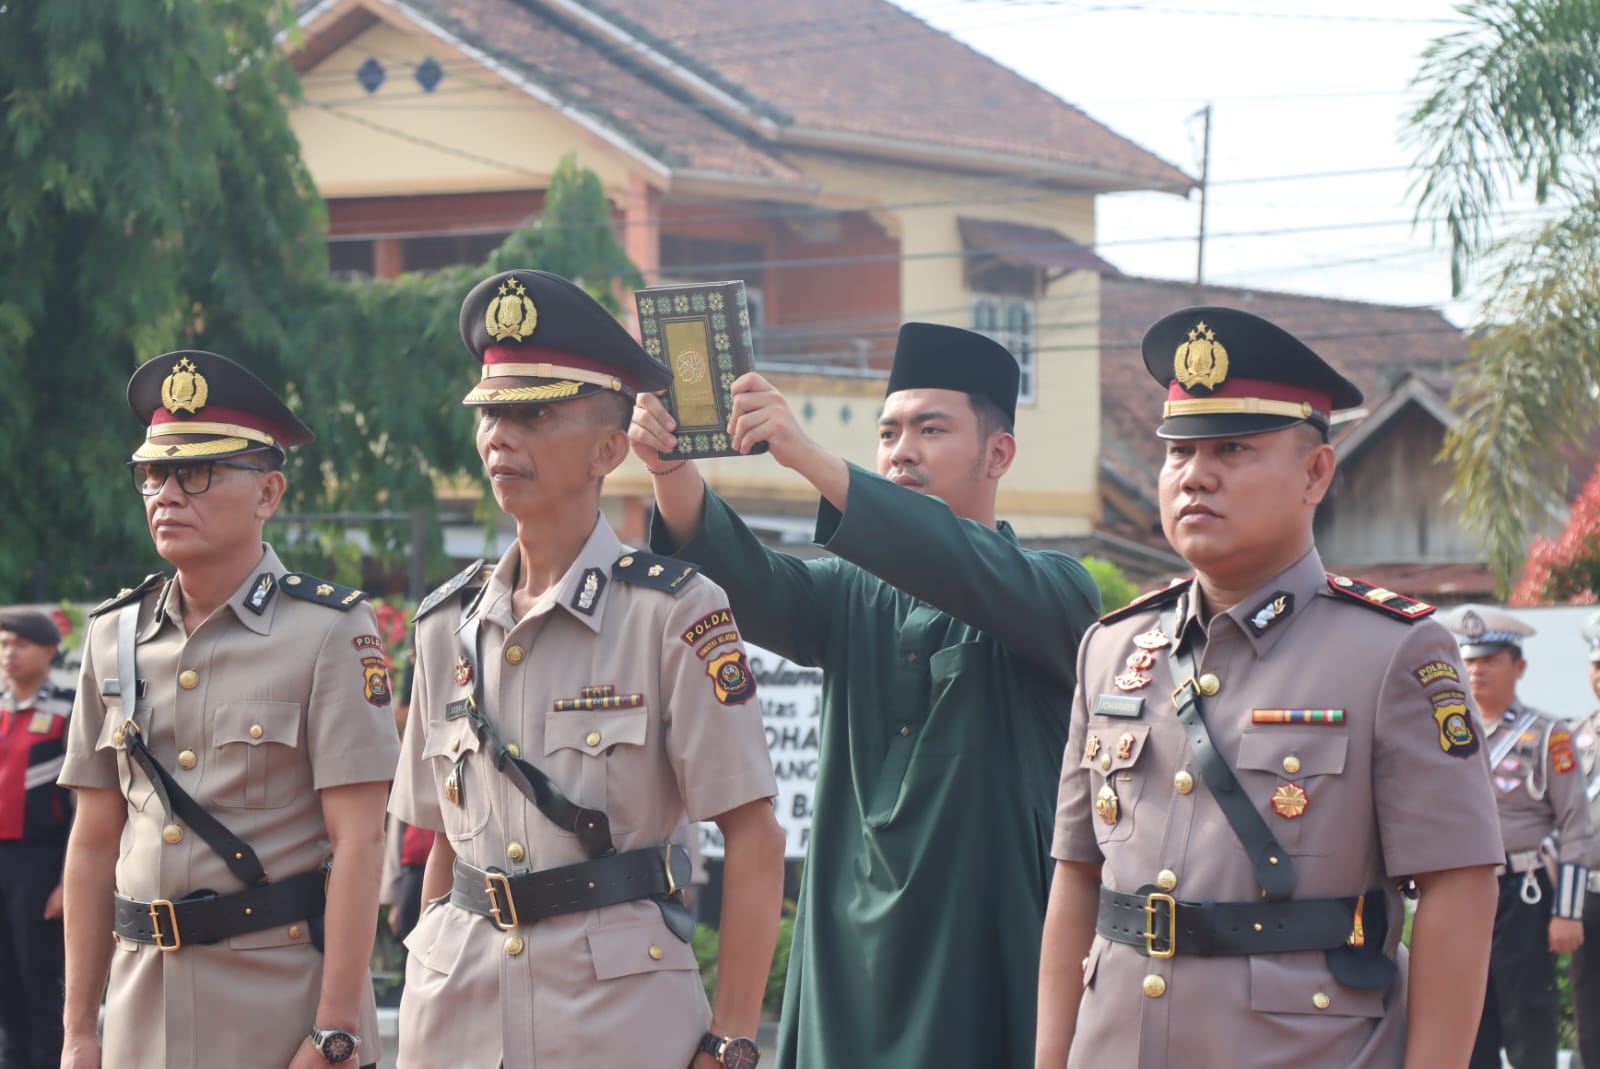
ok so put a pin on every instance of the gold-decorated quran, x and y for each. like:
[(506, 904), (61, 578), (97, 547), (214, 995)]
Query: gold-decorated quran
[(701, 331)]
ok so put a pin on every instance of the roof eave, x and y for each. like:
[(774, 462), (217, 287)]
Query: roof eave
[(1093, 179)]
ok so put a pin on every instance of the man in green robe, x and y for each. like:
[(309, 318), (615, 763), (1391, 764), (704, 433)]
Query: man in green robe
[(949, 657)]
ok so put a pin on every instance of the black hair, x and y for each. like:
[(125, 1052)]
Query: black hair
[(991, 417)]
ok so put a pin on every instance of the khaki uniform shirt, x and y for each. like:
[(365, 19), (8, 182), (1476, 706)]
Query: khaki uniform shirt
[(611, 986), (1383, 793), (279, 706), (1540, 788)]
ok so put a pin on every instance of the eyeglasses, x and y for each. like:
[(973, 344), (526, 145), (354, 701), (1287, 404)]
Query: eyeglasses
[(149, 478)]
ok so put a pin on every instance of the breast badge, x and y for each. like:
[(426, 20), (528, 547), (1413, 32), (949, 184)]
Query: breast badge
[(1091, 748), (452, 786), (1152, 639), (1289, 801), (463, 672), (1139, 662), (1106, 806)]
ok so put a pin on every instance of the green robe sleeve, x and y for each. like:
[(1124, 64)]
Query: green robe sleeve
[(1036, 603), (777, 600)]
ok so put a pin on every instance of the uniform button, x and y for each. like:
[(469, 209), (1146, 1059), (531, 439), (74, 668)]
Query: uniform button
[(1085, 965), (513, 749), (514, 654), (116, 736), (187, 759), (514, 946), (172, 835), (1105, 762), (294, 931), (592, 739), (1321, 1001), (1166, 879), (455, 745), (1209, 684), (1154, 986), (188, 679), (656, 953), (905, 731), (1184, 782), (515, 852), (255, 731), (1291, 764)]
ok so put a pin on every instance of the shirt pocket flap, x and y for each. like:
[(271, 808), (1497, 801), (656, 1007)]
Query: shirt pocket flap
[(594, 731), (640, 947), (1319, 752), (450, 738), (111, 727), (1121, 743), (254, 723), (1302, 983), (440, 937)]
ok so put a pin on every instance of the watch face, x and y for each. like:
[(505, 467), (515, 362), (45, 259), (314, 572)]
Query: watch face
[(338, 1046), (740, 1054)]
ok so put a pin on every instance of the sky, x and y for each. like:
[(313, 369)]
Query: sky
[(1309, 174)]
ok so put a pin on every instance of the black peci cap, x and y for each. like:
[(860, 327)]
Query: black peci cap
[(198, 405), (1229, 374), (929, 356), (541, 338)]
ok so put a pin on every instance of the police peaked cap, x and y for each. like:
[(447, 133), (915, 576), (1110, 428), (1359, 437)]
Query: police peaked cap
[(929, 356), (540, 338), (1229, 374), (201, 406), (1482, 630)]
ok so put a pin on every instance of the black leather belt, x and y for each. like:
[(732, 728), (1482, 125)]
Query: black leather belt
[(1161, 926), (512, 899), (206, 917)]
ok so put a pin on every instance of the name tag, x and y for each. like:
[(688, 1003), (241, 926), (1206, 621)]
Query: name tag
[(1119, 705), (112, 688), (41, 723), (457, 710)]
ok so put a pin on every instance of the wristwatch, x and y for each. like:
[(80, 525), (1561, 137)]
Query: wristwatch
[(734, 1052), (336, 1045)]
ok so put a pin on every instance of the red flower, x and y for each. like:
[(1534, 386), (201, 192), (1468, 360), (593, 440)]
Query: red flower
[(63, 622)]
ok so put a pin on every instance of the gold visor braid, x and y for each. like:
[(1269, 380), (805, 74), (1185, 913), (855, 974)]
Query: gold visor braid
[(551, 371), (232, 430), (1245, 406)]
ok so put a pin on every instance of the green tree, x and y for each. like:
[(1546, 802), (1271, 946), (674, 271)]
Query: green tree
[(1512, 102), (151, 198), (1116, 589)]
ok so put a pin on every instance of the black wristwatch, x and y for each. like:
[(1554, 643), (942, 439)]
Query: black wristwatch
[(335, 1045), (734, 1052)]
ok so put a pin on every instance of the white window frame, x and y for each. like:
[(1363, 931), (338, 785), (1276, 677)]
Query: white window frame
[(1013, 321)]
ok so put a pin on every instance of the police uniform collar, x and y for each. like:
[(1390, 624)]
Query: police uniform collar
[(1271, 609), (269, 565), (597, 555), (168, 607)]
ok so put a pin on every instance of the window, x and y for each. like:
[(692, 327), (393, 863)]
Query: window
[(1009, 321)]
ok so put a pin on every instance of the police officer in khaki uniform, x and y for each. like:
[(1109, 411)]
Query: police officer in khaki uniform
[(573, 705), (1544, 823), (1260, 758), (232, 737), (1585, 970)]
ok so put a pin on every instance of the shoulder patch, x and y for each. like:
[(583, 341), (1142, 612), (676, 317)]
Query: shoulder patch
[(455, 583), (1376, 597), (1152, 600), (666, 574), (128, 594), (310, 588)]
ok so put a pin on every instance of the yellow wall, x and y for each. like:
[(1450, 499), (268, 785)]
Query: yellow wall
[(474, 133)]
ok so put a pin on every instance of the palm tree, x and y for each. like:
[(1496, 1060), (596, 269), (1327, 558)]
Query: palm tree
[(1512, 102)]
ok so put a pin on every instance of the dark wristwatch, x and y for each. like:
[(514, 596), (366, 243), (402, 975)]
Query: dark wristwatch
[(335, 1045), (734, 1052)]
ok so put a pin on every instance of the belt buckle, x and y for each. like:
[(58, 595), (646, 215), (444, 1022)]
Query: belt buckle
[(490, 879), (155, 922), (1152, 904), (672, 883)]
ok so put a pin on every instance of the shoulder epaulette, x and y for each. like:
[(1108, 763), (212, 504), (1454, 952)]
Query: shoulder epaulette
[(310, 588), (460, 581), (1152, 600), (1376, 597), (127, 594), (658, 573)]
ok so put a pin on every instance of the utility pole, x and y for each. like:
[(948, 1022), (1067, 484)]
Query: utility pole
[(1205, 172)]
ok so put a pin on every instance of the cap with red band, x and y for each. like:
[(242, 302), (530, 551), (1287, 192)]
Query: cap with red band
[(1229, 374), (198, 405), (540, 338)]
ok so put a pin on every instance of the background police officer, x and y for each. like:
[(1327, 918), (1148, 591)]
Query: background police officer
[(35, 816), (1585, 966), (1544, 822)]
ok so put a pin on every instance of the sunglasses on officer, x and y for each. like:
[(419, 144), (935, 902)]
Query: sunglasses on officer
[(193, 477)]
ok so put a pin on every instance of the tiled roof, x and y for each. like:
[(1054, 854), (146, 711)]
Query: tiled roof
[(716, 85), (1373, 345)]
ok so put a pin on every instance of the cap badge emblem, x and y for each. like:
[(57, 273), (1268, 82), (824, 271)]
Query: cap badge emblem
[(1201, 361), (511, 314), (184, 390), (1472, 624)]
